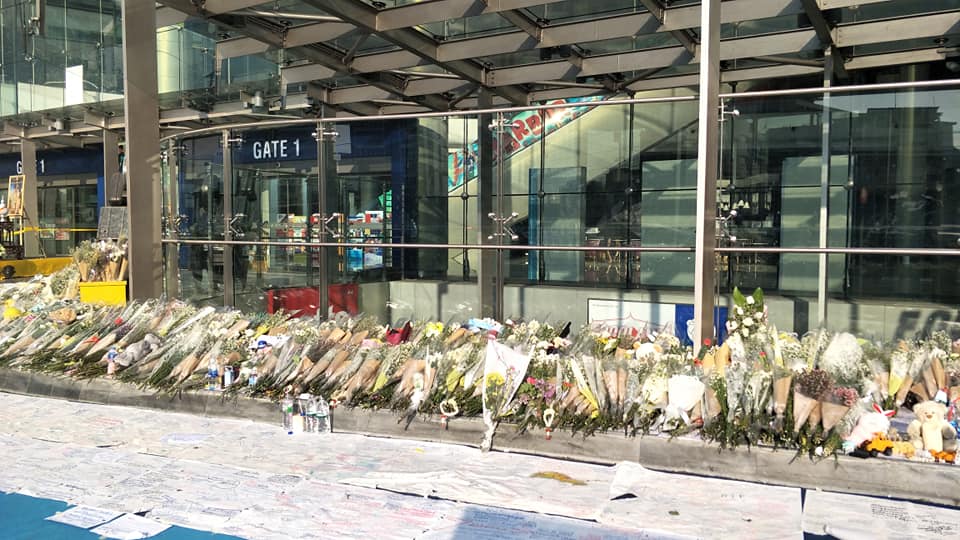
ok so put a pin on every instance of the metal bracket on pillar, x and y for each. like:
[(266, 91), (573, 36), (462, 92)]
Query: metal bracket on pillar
[(324, 222), (235, 142), (325, 134), (501, 125), (503, 229)]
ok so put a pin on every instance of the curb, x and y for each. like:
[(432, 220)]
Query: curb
[(900, 479)]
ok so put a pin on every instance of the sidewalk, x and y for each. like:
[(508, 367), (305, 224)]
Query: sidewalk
[(253, 480)]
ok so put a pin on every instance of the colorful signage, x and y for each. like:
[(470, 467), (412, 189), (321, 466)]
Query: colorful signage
[(525, 128)]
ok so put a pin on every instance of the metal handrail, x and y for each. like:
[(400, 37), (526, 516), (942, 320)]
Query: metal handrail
[(509, 247), (514, 247)]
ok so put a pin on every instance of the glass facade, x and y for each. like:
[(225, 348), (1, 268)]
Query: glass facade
[(606, 185), (597, 177), (74, 56)]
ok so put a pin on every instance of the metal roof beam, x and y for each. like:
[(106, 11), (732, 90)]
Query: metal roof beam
[(679, 18), (765, 45), (917, 27), (897, 58), (442, 10), (305, 34), (658, 10), (274, 36), (521, 21), (305, 72), (366, 17), (770, 72), (100, 120), (824, 32), (834, 4), (420, 87), (215, 7), (14, 130)]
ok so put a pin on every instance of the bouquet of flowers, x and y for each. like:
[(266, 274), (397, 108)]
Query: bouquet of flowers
[(748, 316), (836, 405), (809, 387)]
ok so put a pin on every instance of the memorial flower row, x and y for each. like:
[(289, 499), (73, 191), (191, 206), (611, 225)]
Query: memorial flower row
[(822, 393)]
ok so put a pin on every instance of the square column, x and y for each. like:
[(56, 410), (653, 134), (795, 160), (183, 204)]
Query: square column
[(142, 146), (707, 155)]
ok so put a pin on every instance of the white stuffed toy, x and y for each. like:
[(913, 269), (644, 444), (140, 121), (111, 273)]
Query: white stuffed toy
[(867, 427)]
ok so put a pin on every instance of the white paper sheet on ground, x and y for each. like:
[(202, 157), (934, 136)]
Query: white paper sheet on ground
[(852, 517), (130, 527), (505, 480), (701, 507), (84, 517), (337, 511), (481, 523)]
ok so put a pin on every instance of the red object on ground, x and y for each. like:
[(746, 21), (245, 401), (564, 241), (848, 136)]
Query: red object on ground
[(303, 301)]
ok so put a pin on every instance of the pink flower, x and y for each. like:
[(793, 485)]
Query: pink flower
[(531, 380)]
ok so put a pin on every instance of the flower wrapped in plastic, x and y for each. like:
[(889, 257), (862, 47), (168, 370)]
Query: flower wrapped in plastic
[(685, 392)]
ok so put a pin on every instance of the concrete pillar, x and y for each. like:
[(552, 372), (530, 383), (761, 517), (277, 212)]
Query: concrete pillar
[(707, 149), (142, 146), (487, 272), (31, 210)]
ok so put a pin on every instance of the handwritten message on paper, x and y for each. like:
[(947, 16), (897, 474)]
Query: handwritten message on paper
[(84, 517), (851, 517), (130, 527)]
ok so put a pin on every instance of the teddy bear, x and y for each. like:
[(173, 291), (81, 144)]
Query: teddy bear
[(932, 432)]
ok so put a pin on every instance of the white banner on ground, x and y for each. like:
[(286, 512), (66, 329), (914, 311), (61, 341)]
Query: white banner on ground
[(130, 527), (698, 507), (855, 517)]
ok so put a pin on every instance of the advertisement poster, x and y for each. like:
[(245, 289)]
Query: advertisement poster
[(15, 195)]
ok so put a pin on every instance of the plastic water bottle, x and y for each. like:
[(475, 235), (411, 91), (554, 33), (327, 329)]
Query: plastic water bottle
[(112, 361), (227, 376), (252, 379), (323, 416), (213, 375), (286, 414), (308, 410)]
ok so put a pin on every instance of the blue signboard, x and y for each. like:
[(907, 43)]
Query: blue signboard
[(276, 145), (56, 162), (683, 323)]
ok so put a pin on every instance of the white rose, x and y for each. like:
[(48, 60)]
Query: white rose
[(739, 310), (732, 325), (750, 300), (748, 322), (745, 333)]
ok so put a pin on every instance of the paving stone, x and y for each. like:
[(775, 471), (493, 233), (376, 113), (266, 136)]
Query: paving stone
[(926, 482)]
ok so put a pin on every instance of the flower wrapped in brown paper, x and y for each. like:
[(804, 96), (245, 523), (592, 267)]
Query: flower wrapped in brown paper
[(781, 392), (837, 405), (810, 386)]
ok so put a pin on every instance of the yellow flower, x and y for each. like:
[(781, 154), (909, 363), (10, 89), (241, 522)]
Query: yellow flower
[(495, 379), (434, 329)]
